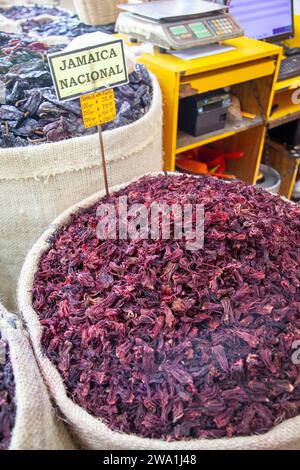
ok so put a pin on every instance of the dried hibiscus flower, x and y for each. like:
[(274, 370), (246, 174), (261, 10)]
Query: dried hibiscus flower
[(168, 343), (7, 396)]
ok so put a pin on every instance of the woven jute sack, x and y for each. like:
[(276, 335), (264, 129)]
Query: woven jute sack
[(98, 12), (91, 432), (37, 183), (37, 425)]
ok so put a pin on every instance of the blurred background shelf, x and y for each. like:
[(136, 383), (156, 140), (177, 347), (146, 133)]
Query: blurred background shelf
[(187, 142)]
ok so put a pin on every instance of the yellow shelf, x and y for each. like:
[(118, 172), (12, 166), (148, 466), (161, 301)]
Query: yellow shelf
[(250, 69), (245, 50), (227, 76), (286, 110), (188, 142), (289, 84), (284, 116)]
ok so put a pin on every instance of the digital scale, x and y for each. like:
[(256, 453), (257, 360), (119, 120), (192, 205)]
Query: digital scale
[(177, 24)]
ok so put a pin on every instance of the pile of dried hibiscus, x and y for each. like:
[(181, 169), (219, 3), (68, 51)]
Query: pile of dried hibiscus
[(42, 20), (7, 396), (168, 343), (29, 110)]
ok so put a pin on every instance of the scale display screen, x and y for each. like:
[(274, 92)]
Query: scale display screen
[(178, 30), (200, 30)]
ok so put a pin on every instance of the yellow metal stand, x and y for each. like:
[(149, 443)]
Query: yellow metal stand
[(285, 110), (250, 70)]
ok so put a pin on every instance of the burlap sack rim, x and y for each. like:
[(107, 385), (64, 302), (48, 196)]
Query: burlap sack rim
[(283, 436), (9, 321), (139, 130), (24, 436)]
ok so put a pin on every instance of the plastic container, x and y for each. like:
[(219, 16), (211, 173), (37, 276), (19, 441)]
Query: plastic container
[(272, 179)]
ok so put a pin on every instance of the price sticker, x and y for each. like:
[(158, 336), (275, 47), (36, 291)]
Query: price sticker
[(98, 108)]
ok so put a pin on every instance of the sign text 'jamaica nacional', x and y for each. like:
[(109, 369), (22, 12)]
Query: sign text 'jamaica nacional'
[(94, 68)]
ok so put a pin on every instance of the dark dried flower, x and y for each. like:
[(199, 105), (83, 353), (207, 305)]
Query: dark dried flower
[(175, 344), (7, 396), (29, 110)]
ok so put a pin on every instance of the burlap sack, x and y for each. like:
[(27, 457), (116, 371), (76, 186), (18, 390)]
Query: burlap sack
[(98, 12), (38, 183), (91, 432), (37, 425)]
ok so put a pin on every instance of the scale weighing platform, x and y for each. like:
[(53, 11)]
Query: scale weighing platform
[(177, 24)]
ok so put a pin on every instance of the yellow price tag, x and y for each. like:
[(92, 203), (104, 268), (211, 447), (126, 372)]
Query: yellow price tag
[(98, 108)]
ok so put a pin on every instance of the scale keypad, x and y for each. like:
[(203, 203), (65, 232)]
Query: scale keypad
[(204, 29), (221, 26)]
